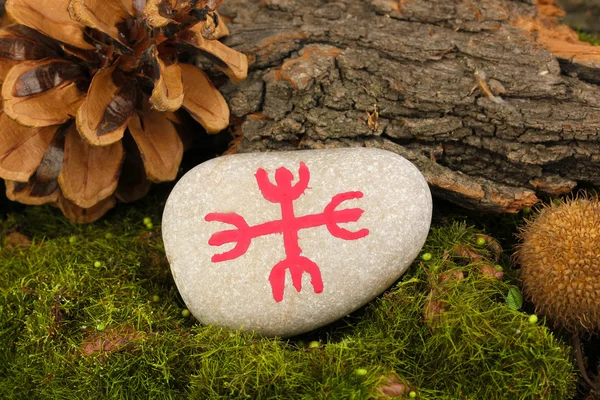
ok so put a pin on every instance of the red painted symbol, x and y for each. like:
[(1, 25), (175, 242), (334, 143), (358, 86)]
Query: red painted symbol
[(284, 193)]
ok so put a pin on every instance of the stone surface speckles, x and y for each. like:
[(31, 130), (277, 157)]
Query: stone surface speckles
[(283, 243)]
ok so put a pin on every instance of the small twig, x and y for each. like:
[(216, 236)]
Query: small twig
[(372, 119), (579, 357), (481, 79)]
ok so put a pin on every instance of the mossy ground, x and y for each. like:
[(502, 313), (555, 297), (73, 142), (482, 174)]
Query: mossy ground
[(91, 312), (590, 38)]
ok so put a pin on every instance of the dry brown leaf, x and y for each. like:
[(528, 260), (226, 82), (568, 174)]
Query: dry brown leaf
[(89, 174), (109, 341), (16, 239), (103, 116), (203, 101), (51, 19), (492, 245), (391, 386), (466, 254), (85, 215), (452, 275), (133, 184), (160, 147), (168, 86), (433, 310), (103, 15), (22, 148), (42, 93), (490, 270)]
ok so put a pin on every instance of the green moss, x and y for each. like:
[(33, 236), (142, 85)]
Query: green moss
[(590, 38), (75, 328)]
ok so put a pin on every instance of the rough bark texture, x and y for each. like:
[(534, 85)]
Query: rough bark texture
[(477, 93)]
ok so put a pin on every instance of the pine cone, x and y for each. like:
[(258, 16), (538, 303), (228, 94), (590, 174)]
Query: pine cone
[(4, 20), (90, 90)]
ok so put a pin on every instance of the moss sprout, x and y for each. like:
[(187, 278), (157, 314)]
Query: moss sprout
[(591, 38), (72, 329)]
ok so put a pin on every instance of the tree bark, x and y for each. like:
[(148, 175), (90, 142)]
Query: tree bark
[(495, 102)]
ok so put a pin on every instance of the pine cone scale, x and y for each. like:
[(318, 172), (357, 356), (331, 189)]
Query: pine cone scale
[(118, 111), (85, 215), (22, 148), (230, 62), (45, 76), (105, 78), (46, 92), (42, 186), (133, 183), (227, 60), (105, 16), (53, 20), (160, 146), (203, 101), (89, 174), (105, 112), (168, 88), (33, 193), (18, 43)]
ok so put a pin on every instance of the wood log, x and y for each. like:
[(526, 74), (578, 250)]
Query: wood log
[(495, 101)]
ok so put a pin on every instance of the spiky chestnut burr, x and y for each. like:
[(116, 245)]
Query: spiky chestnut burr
[(560, 262)]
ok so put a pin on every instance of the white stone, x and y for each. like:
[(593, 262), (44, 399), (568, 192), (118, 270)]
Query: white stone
[(238, 293)]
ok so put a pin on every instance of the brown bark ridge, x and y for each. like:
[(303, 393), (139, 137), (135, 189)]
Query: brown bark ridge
[(493, 100)]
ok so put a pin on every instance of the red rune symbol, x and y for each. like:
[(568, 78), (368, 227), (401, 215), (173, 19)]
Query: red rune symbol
[(284, 193)]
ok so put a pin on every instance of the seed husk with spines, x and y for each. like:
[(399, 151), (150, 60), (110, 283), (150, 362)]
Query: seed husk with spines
[(560, 262)]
